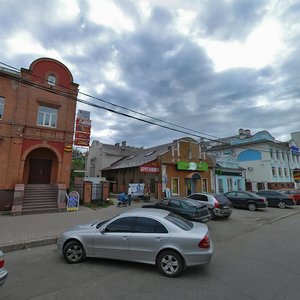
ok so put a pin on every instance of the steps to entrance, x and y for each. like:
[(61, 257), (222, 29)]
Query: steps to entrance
[(40, 198)]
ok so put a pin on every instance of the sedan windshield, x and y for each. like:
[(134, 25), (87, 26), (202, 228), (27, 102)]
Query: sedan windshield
[(179, 221)]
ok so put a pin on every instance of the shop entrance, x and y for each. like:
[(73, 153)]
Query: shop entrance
[(192, 183), (41, 166), (39, 171)]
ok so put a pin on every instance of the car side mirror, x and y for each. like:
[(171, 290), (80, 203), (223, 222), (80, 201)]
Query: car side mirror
[(102, 230)]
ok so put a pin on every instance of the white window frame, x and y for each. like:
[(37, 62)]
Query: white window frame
[(47, 116), (274, 173), (239, 184), (229, 184), (1, 107), (51, 79), (220, 185)]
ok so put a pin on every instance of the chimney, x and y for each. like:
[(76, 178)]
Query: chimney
[(123, 144)]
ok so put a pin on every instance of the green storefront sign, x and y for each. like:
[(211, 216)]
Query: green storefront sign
[(193, 166)]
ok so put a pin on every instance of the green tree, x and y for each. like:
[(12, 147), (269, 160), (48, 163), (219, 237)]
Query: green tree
[(78, 164)]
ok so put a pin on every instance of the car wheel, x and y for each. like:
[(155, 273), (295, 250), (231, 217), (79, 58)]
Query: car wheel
[(170, 263), (281, 204), (251, 206), (74, 252)]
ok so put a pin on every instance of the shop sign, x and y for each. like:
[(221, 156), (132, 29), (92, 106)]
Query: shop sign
[(83, 129), (82, 142), (73, 201), (296, 175), (68, 148), (193, 166), (149, 169)]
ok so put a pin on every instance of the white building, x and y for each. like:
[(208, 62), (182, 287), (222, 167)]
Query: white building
[(268, 163), (101, 156)]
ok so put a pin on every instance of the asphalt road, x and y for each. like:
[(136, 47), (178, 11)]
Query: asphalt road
[(257, 256)]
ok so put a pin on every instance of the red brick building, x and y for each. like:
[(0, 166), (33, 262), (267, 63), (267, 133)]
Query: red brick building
[(179, 166), (37, 115)]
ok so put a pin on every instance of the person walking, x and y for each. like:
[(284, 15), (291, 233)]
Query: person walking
[(129, 193)]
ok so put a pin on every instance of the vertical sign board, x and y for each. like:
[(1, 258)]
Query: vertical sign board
[(73, 201), (83, 128)]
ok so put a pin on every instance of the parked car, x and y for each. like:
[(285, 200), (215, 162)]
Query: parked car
[(3, 271), (184, 207), (276, 199), (249, 200), (294, 193), (151, 236), (218, 205)]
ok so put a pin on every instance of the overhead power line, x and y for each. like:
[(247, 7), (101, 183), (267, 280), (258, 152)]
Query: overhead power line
[(38, 86), (130, 110)]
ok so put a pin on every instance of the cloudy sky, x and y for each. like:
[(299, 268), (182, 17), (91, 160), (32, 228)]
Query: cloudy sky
[(210, 66)]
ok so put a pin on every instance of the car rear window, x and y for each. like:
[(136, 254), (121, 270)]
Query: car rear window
[(179, 221), (221, 198)]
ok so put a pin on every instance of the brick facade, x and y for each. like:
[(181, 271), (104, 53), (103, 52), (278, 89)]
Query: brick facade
[(188, 181), (32, 153)]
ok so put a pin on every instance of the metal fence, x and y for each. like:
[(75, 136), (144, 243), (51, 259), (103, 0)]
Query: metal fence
[(96, 192)]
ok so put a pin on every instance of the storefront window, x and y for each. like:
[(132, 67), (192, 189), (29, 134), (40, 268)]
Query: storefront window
[(175, 186)]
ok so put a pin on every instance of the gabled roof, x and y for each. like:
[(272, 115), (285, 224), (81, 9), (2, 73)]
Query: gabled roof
[(114, 150), (141, 157)]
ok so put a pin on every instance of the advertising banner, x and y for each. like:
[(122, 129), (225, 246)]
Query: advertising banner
[(83, 128), (197, 166), (73, 201), (137, 189)]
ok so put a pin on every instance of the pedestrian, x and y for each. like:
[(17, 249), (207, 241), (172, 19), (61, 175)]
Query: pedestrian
[(129, 193)]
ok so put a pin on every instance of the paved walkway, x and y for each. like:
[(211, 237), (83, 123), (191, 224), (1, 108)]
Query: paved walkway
[(26, 231)]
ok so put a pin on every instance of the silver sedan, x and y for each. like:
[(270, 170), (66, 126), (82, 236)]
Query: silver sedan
[(144, 235), (3, 271)]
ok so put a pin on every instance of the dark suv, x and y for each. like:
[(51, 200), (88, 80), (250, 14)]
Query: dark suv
[(217, 204)]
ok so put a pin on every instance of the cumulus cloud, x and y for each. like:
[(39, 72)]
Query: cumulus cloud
[(210, 67)]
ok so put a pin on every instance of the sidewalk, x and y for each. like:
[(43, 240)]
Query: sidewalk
[(26, 231)]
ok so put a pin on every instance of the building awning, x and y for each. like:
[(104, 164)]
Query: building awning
[(194, 175)]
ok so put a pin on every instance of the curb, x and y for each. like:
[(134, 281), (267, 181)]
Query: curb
[(283, 217), (28, 244)]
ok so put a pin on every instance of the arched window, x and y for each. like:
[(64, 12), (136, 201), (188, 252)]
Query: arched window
[(51, 79)]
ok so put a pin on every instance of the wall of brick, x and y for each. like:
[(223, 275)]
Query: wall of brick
[(21, 137)]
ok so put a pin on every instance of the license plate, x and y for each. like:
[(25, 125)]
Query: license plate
[(225, 206), (205, 220)]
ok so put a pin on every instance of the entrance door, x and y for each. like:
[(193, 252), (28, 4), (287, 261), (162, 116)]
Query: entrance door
[(40, 171)]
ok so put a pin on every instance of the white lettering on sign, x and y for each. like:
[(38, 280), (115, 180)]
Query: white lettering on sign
[(149, 169)]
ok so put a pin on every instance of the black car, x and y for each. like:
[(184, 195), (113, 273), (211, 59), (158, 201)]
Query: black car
[(276, 198), (249, 200), (185, 207)]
